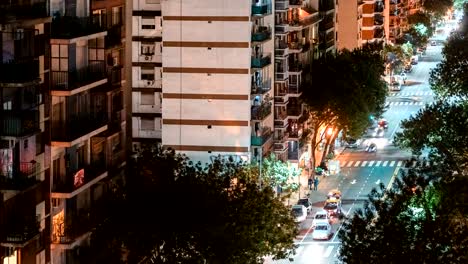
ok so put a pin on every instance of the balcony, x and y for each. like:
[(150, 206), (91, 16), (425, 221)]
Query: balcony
[(21, 233), (68, 27), (295, 3), (259, 141), (280, 146), (281, 5), (76, 126), (27, 10), (260, 112), (114, 36), (261, 61), (263, 33), (327, 5), (19, 177), (281, 99), (70, 80), (294, 112), (295, 67), (19, 72), (295, 47), (19, 123), (261, 87), (378, 7), (326, 25), (281, 120), (76, 181), (281, 50), (261, 10)]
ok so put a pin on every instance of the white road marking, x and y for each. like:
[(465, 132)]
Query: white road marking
[(392, 163), (377, 182), (349, 164), (399, 163), (384, 164), (363, 164), (378, 163), (371, 163), (353, 182), (328, 251), (357, 163)]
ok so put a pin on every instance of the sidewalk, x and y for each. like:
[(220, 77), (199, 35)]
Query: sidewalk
[(303, 180)]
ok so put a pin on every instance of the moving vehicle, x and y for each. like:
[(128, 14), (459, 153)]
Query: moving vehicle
[(383, 123), (320, 217), (333, 207), (306, 203), (334, 194), (299, 212), (322, 231), (395, 86), (372, 147), (433, 43), (352, 143), (378, 132)]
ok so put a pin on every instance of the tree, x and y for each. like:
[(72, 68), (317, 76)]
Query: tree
[(354, 91), (440, 129), (449, 77), (280, 174), (416, 221), (173, 211), (437, 7), (459, 4)]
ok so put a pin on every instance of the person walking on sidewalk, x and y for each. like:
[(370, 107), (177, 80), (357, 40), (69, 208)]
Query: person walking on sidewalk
[(316, 182), (310, 182)]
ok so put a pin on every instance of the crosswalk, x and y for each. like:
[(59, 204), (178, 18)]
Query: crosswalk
[(381, 163), (403, 103), (414, 93), (308, 251)]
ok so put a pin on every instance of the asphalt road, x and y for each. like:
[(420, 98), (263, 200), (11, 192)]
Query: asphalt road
[(362, 171)]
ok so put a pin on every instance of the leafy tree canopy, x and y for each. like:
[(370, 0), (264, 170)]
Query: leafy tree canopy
[(175, 212), (437, 7), (440, 129), (458, 4)]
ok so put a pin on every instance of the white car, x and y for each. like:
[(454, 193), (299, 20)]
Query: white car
[(299, 212), (322, 231), (321, 217)]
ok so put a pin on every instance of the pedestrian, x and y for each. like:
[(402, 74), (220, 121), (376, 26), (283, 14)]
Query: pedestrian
[(316, 182), (310, 182)]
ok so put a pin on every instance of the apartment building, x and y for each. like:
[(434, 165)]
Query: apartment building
[(87, 120), (296, 44), (146, 59), (373, 18), (396, 12), (24, 132), (349, 30), (217, 75)]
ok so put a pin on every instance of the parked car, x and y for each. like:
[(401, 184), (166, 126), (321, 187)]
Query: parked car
[(433, 43), (299, 212), (306, 203), (408, 68), (322, 231), (321, 217)]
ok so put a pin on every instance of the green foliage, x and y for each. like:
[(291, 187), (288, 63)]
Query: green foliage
[(437, 7), (416, 37), (440, 129), (458, 4), (417, 221), (449, 77), (278, 173), (175, 212)]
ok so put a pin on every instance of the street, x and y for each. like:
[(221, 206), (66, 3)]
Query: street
[(362, 171)]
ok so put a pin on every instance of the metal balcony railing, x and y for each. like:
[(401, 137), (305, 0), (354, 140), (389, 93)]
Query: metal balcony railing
[(295, 2), (261, 60), (262, 34), (18, 176), (259, 141), (26, 10), (69, 80), (261, 87), (76, 179), (19, 71), (21, 232), (77, 125), (19, 123), (261, 10), (281, 5), (68, 27), (260, 112)]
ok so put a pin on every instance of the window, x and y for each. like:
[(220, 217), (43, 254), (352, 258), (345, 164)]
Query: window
[(147, 98), (147, 123), (117, 15), (147, 48), (148, 22), (153, 1), (7, 105), (147, 73), (26, 143)]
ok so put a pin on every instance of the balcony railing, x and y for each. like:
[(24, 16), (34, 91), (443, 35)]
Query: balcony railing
[(20, 233), (19, 123), (294, 111), (326, 25), (18, 177), (266, 135), (295, 2), (295, 46), (19, 71), (76, 179), (260, 112), (280, 146), (27, 10), (261, 61), (378, 8), (68, 27), (261, 87), (262, 34), (281, 5), (261, 10), (69, 80), (77, 125)]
